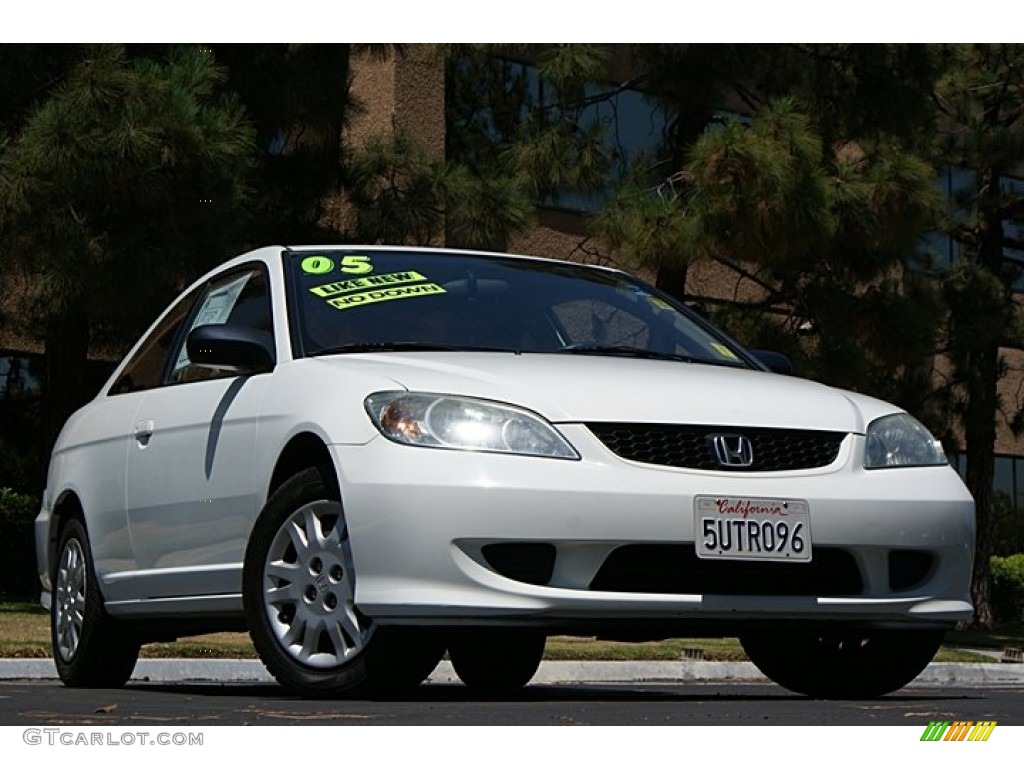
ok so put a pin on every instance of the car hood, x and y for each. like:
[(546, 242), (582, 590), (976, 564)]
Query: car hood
[(572, 388)]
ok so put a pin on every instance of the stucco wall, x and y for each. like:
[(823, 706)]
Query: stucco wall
[(403, 92)]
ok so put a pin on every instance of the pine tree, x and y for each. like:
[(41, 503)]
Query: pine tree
[(813, 220), (980, 99), (128, 178), (513, 143)]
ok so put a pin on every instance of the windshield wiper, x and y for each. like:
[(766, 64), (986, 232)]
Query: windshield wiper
[(401, 346), (621, 350), (614, 350)]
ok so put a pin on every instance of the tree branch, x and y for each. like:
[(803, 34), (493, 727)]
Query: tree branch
[(773, 293)]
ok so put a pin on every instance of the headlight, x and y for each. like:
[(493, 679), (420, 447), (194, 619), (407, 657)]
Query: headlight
[(901, 440), (464, 423)]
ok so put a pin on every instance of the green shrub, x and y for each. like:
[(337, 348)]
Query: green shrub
[(1008, 587), (1008, 533), (18, 578)]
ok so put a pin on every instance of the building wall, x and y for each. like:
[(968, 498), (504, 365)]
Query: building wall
[(1011, 394), (400, 93)]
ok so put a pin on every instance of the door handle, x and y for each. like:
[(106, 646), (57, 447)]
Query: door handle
[(143, 431)]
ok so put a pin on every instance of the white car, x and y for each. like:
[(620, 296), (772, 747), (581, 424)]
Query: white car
[(370, 455)]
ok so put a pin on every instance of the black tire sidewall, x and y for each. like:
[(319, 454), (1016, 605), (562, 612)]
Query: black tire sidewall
[(393, 658), (107, 650), (815, 667), (496, 661), (303, 488)]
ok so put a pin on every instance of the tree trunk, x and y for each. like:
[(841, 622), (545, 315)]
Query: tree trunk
[(980, 434), (672, 280), (983, 374), (64, 391)]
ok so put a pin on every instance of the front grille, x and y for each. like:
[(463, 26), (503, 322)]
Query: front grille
[(675, 569), (690, 446)]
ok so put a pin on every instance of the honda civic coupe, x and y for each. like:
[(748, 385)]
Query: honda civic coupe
[(371, 456)]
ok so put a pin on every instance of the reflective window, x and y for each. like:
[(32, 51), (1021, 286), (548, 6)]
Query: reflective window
[(18, 377), (1018, 477), (240, 298), (937, 250), (1002, 481), (351, 301), (146, 368), (489, 101)]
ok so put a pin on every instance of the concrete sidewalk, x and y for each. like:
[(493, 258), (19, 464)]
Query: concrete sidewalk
[(550, 672)]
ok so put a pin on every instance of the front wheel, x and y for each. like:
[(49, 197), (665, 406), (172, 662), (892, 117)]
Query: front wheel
[(299, 588), (495, 661), (843, 665), (90, 649)]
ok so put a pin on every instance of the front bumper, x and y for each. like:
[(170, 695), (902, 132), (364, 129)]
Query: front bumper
[(421, 522)]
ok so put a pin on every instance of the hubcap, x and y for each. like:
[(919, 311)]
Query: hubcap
[(69, 599), (309, 588)]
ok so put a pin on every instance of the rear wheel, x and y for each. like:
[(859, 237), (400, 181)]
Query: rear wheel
[(843, 665), (495, 661), (299, 588), (90, 649)]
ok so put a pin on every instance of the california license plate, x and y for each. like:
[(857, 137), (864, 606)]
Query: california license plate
[(735, 528)]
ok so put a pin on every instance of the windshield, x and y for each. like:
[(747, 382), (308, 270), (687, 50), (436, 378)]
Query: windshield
[(366, 301)]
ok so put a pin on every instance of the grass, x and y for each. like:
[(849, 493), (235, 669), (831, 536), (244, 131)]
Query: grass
[(1004, 636), (25, 633)]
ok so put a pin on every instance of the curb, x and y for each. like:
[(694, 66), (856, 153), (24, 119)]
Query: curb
[(550, 672)]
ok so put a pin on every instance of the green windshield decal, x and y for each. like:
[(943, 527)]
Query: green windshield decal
[(316, 265), (387, 294), (320, 264), (360, 283), (373, 289), (356, 265), (657, 303), (723, 350)]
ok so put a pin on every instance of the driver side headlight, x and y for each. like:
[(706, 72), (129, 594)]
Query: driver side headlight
[(900, 440), (465, 423)]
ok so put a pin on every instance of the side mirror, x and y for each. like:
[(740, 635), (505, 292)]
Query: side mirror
[(235, 348), (776, 362)]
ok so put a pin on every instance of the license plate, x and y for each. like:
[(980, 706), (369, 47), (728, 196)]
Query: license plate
[(732, 528)]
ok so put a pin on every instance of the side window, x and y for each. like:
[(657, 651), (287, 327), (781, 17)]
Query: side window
[(146, 368), (240, 298)]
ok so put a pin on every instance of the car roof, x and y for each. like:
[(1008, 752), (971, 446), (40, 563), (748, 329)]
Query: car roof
[(444, 251)]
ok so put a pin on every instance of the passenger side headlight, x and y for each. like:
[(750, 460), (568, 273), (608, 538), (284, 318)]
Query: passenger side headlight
[(901, 440), (464, 423)]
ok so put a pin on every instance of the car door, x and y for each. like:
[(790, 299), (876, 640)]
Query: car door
[(190, 490), (100, 455)]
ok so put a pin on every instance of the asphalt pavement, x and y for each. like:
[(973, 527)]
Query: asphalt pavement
[(550, 672)]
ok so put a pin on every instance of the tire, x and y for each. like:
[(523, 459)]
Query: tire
[(299, 597), (843, 665), (90, 649), (494, 661)]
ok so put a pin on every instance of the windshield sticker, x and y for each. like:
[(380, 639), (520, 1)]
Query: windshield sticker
[(374, 289), (316, 265), (350, 300), (350, 265), (356, 265), (658, 303), (723, 350), (360, 283)]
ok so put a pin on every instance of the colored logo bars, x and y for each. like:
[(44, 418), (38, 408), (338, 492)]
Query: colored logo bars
[(960, 730)]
